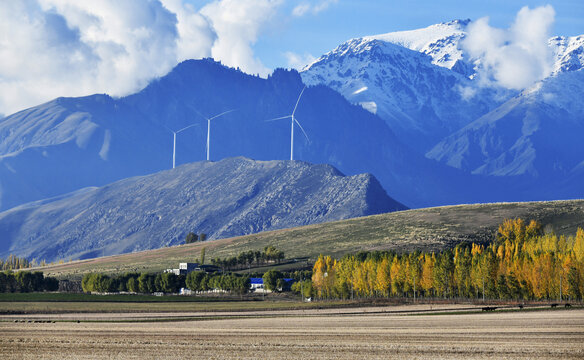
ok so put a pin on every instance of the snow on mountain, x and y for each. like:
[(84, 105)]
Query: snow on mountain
[(568, 53), (235, 196), (440, 41), (417, 81), (534, 132), (537, 133), (421, 82)]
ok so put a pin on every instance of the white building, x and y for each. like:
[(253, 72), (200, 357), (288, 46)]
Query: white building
[(184, 268)]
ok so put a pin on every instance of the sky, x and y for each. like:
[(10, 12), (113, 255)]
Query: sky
[(52, 48)]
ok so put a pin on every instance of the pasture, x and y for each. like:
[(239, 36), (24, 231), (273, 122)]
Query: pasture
[(430, 229)]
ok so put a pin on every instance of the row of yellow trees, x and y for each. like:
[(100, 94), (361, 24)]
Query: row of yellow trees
[(523, 263)]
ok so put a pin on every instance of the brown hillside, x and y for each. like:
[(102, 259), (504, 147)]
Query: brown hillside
[(424, 229)]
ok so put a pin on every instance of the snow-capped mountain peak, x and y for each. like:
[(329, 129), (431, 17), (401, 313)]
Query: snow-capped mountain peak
[(568, 53), (439, 41), (422, 82), (414, 80)]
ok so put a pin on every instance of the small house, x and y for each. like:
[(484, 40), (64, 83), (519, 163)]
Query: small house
[(256, 284), (185, 268)]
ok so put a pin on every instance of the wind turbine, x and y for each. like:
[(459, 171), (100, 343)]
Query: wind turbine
[(293, 120), (174, 133), (209, 128)]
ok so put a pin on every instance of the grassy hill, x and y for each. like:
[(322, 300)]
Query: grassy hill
[(424, 229)]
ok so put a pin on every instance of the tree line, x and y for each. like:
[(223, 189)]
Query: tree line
[(200, 281), (245, 259), (26, 281), (193, 238), (522, 263), (13, 262), (133, 282), (148, 283)]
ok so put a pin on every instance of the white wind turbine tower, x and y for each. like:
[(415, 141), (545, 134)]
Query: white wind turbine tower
[(209, 128), (293, 120), (174, 133)]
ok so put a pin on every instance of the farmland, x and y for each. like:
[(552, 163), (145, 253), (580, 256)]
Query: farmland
[(366, 333), (61, 303)]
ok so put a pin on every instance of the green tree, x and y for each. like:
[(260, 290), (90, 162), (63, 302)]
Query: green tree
[(574, 281), (271, 279), (103, 283), (513, 286), (303, 287), (502, 288), (132, 285), (37, 281), (146, 283), (194, 280), (3, 282), (240, 284), (24, 279), (191, 238), (86, 283), (443, 273), (158, 283), (169, 283), (51, 284)]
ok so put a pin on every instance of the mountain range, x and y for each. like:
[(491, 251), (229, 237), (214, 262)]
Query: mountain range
[(424, 85), (70, 143), (232, 197), (422, 82), (395, 105)]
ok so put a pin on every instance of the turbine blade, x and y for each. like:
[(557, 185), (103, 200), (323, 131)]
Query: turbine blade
[(297, 101), (301, 128), (190, 126), (223, 113), (279, 118)]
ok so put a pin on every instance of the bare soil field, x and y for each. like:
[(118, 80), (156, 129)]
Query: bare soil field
[(233, 310), (297, 334)]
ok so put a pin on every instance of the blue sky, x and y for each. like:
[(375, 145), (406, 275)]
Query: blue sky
[(52, 48)]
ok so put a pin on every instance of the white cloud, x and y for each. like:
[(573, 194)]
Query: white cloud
[(53, 48), (238, 24), (516, 57), (195, 34), (298, 61), (301, 9), (306, 7)]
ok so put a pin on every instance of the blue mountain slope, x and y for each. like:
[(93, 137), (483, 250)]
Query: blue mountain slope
[(537, 133), (71, 143), (68, 144)]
